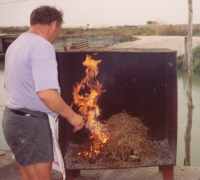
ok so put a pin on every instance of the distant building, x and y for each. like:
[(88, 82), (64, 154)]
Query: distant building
[(152, 23)]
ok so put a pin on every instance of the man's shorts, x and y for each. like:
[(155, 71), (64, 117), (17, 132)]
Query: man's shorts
[(28, 134)]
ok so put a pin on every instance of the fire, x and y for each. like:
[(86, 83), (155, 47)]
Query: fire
[(85, 96)]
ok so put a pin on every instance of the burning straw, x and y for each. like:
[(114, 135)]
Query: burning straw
[(85, 95), (129, 139)]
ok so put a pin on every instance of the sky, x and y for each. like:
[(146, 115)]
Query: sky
[(101, 12)]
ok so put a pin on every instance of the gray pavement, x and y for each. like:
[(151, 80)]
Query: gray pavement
[(9, 172)]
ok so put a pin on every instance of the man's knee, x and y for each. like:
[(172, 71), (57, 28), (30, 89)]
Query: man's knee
[(43, 170), (23, 174), (39, 171)]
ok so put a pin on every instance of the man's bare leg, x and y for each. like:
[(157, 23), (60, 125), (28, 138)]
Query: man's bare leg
[(23, 174), (39, 171)]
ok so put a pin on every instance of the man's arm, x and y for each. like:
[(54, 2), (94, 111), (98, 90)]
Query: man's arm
[(54, 102), (45, 77)]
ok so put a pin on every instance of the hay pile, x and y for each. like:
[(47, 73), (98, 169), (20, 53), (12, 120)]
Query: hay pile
[(128, 139)]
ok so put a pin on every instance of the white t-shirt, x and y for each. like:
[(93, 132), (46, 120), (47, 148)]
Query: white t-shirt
[(31, 66)]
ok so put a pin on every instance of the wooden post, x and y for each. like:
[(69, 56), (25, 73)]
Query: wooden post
[(187, 160)]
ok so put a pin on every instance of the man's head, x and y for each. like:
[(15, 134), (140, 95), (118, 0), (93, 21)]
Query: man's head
[(48, 20)]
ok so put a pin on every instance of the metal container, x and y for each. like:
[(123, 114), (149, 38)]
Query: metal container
[(141, 82)]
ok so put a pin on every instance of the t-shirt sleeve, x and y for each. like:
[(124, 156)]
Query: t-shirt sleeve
[(44, 68)]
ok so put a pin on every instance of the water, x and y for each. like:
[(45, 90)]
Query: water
[(182, 119), (3, 144), (182, 115)]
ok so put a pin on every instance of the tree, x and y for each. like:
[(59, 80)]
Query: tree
[(187, 160)]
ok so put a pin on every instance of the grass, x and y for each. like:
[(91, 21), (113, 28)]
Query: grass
[(149, 29), (196, 61)]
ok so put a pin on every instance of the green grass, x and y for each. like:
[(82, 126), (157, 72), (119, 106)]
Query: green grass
[(196, 60), (149, 29)]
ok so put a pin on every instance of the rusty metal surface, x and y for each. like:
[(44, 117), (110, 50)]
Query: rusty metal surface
[(142, 83), (163, 157)]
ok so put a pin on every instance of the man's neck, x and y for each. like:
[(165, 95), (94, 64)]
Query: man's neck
[(40, 30)]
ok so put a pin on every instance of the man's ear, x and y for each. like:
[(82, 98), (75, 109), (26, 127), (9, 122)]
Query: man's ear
[(53, 25)]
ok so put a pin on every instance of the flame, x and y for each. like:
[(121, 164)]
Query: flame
[(85, 96)]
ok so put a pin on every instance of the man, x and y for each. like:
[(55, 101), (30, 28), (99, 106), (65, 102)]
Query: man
[(31, 82)]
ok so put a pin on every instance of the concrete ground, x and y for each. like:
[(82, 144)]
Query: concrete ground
[(8, 171)]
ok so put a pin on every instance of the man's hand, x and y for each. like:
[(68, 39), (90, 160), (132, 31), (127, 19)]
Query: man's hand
[(77, 121), (54, 102)]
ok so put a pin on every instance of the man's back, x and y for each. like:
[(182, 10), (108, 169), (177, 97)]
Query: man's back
[(30, 67)]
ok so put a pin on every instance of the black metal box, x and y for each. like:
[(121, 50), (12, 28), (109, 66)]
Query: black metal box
[(141, 82)]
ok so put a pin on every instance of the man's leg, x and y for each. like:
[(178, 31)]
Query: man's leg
[(23, 174), (39, 171), (30, 140)]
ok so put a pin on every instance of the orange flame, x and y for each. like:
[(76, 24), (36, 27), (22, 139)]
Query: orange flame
[(85, 95)]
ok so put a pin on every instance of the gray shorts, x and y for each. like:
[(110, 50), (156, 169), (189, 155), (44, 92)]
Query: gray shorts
[(28, 135)]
